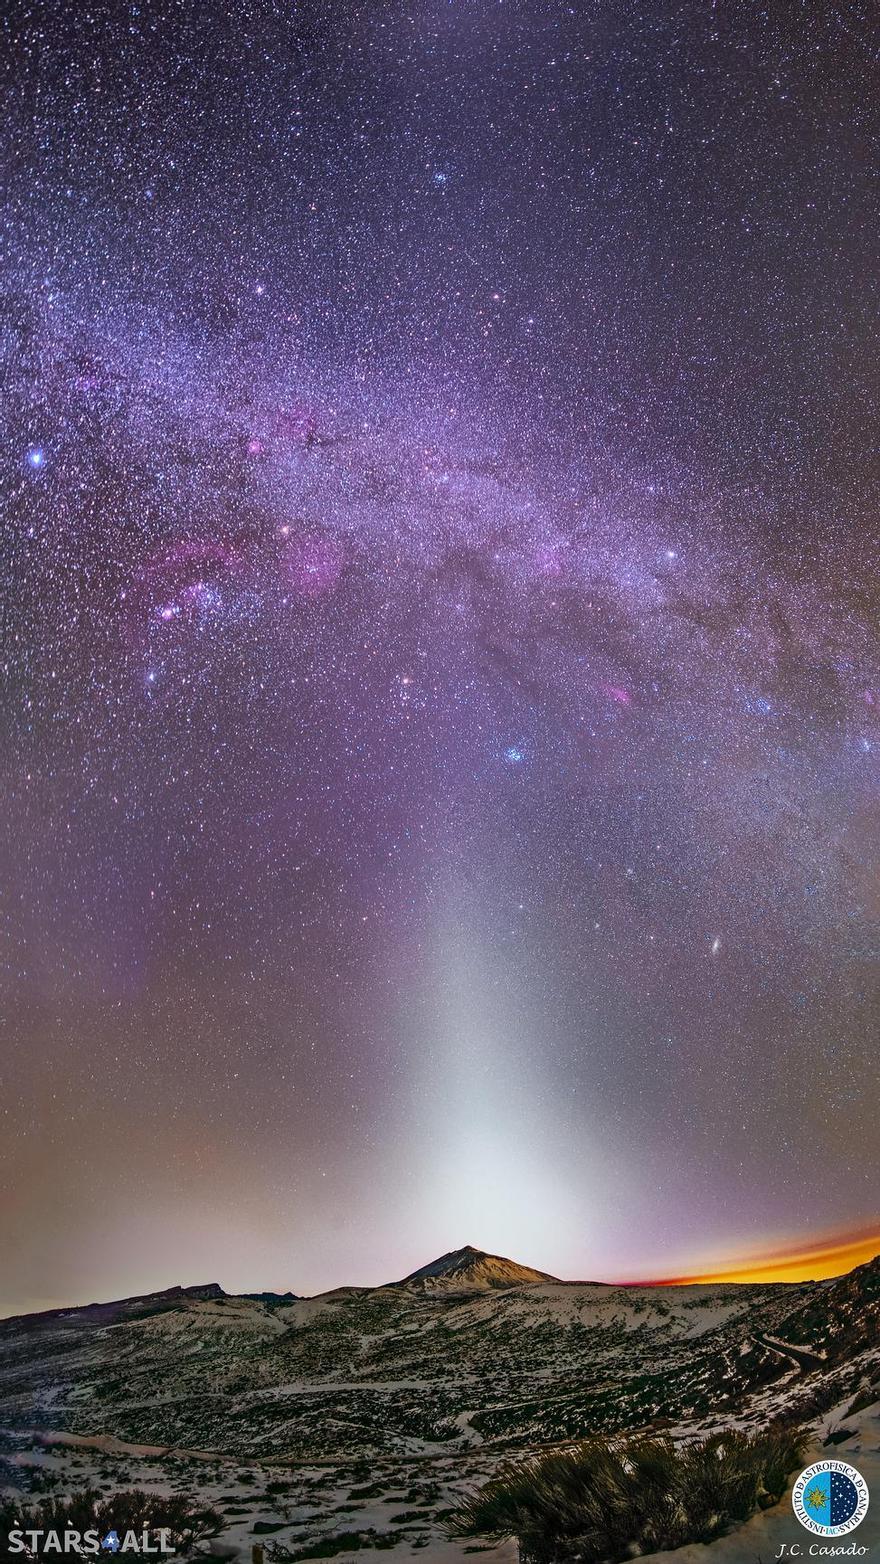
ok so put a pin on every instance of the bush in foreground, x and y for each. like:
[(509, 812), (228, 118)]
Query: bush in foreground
[(189, 1522), (615, 1499)]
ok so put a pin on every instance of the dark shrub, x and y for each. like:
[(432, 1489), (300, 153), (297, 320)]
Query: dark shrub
[(188, 1522), (614, 1499)]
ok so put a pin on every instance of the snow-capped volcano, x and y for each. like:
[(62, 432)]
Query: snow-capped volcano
[(472, 1270)]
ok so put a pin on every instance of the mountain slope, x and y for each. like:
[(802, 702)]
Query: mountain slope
[(471, 1270), (110, 1313), (365, 1413), (842, 1317), (471, 1351)]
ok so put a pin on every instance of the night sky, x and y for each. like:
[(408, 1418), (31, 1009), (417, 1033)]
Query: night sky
[(442, 712)]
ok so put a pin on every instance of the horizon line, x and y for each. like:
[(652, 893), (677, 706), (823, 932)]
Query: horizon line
[(821, 1261)]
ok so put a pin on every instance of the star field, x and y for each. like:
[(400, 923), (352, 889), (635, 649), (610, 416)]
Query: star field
[(442, 720)]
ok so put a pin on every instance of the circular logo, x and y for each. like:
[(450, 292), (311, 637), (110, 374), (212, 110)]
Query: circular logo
[(830, 1498)]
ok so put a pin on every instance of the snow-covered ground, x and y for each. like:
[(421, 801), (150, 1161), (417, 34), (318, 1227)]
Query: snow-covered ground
[(368, 1413), (324, 1503)]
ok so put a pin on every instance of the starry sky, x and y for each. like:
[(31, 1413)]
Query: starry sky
[(441, 727)]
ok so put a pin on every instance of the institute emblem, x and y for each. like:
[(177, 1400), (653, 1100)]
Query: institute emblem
[(830, 1498)]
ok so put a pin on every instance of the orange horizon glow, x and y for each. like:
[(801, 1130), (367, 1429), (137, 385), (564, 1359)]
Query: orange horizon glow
[(807, 1263)]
